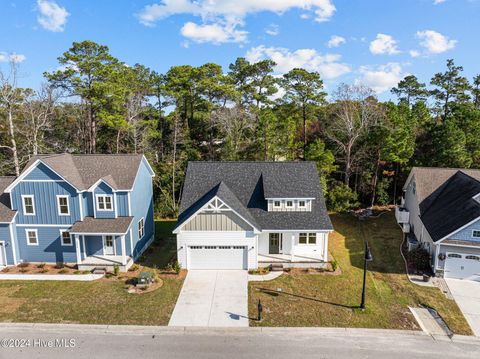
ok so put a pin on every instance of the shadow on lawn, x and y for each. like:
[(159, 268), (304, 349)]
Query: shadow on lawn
[(384, 238), (275, 293)]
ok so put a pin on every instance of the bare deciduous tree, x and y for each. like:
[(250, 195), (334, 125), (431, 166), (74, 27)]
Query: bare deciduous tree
[(356, 111)]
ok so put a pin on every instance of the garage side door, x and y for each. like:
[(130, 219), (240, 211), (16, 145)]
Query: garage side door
[(217, 257), (461, 266)]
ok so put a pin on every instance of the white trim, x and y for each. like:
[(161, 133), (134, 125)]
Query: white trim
[(152, 172), (129, 199), (460, 245), (44, 181), (62, 231), (178, 229), (297, 230), (98, 234), (43, 225), (84, 247), (77, 250), (143, 228), (124, 254), (289, 198), (80, 198), (12, 240), (457, 230), (4, 253), (131, 242), (36, 236), (95, 185), (97, 196), (114, 244), (115, 204), (437, 250), (58, 204), (33, 204), (27, 172)]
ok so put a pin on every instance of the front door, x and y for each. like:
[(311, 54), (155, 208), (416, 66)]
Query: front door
[(108, 246), (274, 243)]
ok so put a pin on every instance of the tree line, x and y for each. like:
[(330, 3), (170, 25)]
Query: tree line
[(363, 148)]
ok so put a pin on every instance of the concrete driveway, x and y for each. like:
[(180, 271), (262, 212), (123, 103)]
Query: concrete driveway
[(212, 298), (467, 295)]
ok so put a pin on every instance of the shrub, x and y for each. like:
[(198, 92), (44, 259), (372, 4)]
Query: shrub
[(341, 198), (177, 267), (63, 271), (109, 275), (116, 269), (44, 270), (5, 270), (77, 272), (41, 265), (334, 265), (23, 265), (133, 268), (420, 258), (23, 270)]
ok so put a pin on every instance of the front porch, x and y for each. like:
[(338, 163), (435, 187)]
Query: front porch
[(105, 262), (292, 261)]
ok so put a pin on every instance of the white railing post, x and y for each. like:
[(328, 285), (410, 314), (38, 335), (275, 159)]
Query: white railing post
[(77, 249), (124, 257), (292, 250)]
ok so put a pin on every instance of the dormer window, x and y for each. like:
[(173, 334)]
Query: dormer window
[(289, 204), (104, 203), (302, 204), (277, 204)]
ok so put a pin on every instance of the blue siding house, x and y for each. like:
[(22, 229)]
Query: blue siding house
[(88, 210)]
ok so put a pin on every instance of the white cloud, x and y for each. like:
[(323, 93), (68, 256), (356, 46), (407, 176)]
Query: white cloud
[(221, 12), (436, 2), (327, 65), (434, 42), (414, 53), (336, 41), (52, 16), (214, 33), (17, 58), (381, 78), (384, 44), (272, 30)]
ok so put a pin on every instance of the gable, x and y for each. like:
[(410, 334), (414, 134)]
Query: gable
[(465, 234), (42, 173), (223, 221)]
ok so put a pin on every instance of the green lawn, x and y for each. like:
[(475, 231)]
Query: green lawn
[(99, 302), (332, 300)]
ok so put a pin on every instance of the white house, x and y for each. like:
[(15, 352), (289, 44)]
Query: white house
[(442, 211), (245, 215)]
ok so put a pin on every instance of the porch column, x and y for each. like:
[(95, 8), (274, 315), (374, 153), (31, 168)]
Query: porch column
[(84, 248), (325, 251), (292, 250), (124, 256), (77, 248)]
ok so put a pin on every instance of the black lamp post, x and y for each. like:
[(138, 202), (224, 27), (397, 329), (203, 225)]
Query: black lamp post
[(367, 258)]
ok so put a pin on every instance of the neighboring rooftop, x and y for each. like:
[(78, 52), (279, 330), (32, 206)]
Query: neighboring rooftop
[(6, 214), (244, 186), (82, 171), (451, 206)]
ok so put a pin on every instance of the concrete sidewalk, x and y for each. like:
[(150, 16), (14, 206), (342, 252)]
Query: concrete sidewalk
[(69, 277)]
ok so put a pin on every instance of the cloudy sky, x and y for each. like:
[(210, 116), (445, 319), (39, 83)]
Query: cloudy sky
[(376, 42)]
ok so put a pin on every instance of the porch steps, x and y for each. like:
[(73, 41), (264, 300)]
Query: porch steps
[(99, 270), (276, 267)]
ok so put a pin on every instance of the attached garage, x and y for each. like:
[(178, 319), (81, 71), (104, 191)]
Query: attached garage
[(217, 257), (461, 265)]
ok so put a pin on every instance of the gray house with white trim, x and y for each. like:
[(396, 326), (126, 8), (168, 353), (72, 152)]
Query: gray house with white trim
[(245, 215), (441, 211)]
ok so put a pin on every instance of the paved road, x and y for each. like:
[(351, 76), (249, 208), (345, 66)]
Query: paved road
[(467, 295), (199, 343), (212, 298)]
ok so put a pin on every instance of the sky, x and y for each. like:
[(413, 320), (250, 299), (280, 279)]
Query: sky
[(373, 42)]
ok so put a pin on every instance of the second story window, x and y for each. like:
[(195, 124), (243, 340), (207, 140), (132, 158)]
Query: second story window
[(104, 203), (28, 205), (289, 204), (62, 205), (302, 204), (476, 233), (277, 204)]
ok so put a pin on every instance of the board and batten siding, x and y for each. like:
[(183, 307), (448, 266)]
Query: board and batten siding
[(6, 238), (103, 189), (283, 206), (223, 221)]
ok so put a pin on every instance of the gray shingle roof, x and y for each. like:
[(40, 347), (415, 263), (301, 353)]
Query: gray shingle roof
[(6, 214), (244, 186), (92, 225), (451, 206), (82, 171)]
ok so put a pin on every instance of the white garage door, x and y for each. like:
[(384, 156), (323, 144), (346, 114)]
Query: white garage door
[(462, 266), (217, 257)]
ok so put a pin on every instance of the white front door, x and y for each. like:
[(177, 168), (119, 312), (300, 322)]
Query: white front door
[(3, 259), (108, 246), (217, 257), (462, 266)]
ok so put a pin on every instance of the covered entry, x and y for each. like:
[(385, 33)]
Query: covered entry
[(462, 266), (217, 257)]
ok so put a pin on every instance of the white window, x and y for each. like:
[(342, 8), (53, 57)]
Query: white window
[(141, 228), (66, 238), (277, 204), (302, 204), (63, 206), (476, 233), (307, 238), (32, 237), (104, 203), (28, 205), (289, 204)]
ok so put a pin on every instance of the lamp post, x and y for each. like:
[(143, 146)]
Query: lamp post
[(366, 258)]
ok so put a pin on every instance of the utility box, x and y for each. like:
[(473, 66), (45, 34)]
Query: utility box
[(145, 279)]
